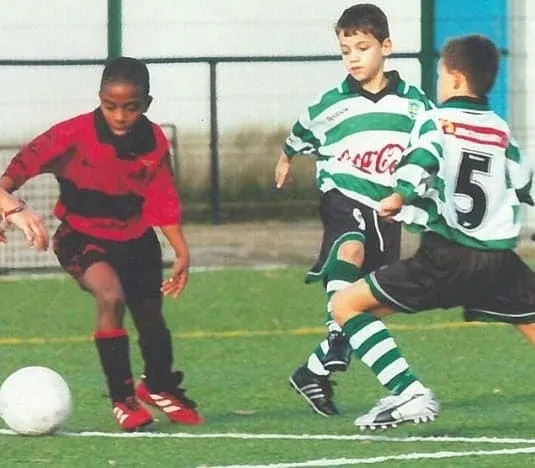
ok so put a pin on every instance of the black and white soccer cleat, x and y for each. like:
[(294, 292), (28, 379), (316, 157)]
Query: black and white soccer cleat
[(398, 409), (315, 389)]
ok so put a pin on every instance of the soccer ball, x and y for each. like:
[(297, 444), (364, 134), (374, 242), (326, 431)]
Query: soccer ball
[(35, 401)]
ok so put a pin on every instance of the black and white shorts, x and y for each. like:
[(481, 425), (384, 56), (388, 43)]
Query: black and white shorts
[(344, 218), (489, 285)]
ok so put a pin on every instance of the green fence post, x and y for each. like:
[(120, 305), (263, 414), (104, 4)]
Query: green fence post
[(115, 33), (427, 49), (215, 193)]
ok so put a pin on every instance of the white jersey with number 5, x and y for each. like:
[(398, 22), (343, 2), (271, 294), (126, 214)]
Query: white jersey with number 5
[(464, 176)]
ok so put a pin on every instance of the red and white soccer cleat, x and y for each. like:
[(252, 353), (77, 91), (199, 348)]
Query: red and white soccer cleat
[(174, 404), (131, 414)]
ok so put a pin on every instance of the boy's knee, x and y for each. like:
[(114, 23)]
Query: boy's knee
[(351, 251), (341, 306), (110, 298)]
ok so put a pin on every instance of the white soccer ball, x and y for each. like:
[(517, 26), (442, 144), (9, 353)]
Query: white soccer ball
[(35, 401)]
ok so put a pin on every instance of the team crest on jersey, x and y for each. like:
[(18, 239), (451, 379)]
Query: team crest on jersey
[(414, 108), (448, 127)]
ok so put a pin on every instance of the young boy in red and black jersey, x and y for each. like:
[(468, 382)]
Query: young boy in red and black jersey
[(116, 184)]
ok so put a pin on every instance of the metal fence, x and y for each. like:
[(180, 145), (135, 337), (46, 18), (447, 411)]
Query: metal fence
[(227, 176), (212, 201)]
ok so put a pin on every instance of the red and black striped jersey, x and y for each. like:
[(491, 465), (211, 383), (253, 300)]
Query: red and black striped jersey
[(110, 187)]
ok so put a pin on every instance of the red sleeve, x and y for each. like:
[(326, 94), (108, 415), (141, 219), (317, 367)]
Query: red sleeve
[(36, 156), (162, 204)]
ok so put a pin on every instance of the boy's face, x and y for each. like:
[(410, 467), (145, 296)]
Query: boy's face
[(447, 83), (363, 55), (122, 104)]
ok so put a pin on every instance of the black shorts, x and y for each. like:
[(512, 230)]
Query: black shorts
[(138, 262), (341, 216), (489, 285)]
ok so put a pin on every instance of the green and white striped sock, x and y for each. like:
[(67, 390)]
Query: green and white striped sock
[(374, 346), (341, 274)]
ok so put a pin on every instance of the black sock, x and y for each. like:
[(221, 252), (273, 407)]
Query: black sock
[(157, 351), (112, 346)]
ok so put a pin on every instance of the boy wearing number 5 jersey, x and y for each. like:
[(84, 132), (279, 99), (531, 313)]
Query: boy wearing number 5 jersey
[(461, 181)]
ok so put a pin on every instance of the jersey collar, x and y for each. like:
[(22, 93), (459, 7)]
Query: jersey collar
[(139, 140), (468, 102), (394, 86)]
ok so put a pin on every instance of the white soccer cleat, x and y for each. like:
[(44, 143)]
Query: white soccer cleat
[(397, 409)]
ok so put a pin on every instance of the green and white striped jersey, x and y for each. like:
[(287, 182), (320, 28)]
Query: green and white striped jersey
[(464, 177), (358, 137)]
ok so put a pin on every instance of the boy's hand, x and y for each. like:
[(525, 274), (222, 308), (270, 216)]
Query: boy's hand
[(176, 283), (32, 225), (282, 170), (391, 205)]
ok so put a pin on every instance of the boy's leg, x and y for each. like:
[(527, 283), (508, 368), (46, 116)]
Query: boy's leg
[(338, 266), (160, 385), (111, 339), (311, 380), (346, 225), (397, 287), (86, 260), (374, 346), (369, 337), (154, 341), (334, 353), (342, 272), (354, 259)]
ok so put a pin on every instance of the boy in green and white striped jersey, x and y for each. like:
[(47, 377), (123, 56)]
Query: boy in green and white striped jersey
[(357, 131), (461, 181)]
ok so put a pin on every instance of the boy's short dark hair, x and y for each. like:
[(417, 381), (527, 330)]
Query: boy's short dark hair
[(476, 57), (129, 70), (365, 18)]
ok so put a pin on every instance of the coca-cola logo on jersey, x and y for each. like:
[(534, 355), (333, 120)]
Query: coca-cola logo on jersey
[(381, 161)]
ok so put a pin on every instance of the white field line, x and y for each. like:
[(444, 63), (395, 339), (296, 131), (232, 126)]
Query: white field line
[(369, 461), (247, 436)]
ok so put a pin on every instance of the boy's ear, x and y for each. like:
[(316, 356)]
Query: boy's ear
[(458, 79), (386, 47), (148, 103)]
